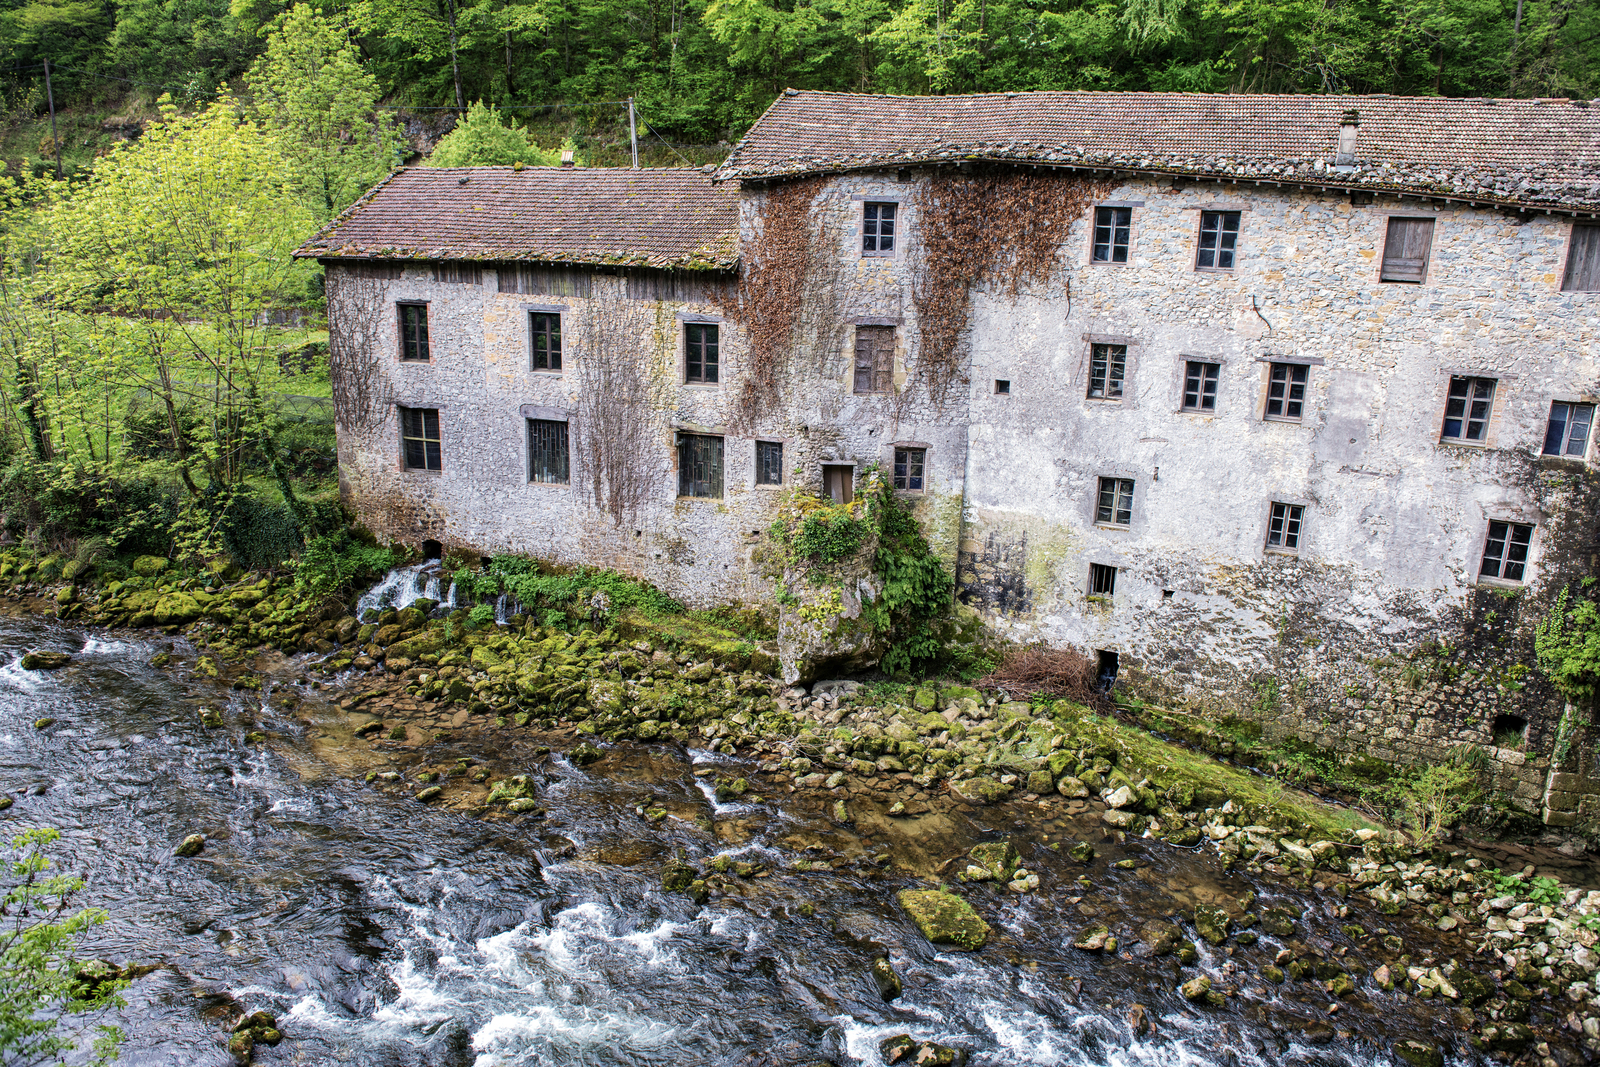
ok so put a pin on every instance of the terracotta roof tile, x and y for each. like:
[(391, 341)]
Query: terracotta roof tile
[(654, 218), (1533, 153)]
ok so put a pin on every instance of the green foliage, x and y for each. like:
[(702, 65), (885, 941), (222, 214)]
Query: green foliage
[(1432, 799), (480, 616), (56, 502), (333, 564), (1568, 646), (555, 596), (828, 535), (917, 591), (41, 980), (483, 139)]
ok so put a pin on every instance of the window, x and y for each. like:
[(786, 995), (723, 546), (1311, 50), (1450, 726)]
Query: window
[(1200, 385), (839, 482), (414, 332), (419, 439), (908, 464), (700, 356), (1568, 434), (545, 330), (1219, 234), (769, 462), (1505, 554), (1405, 250), (1102, 580), (547, 452), (1112, 227), (699, 465), (1107, 366), (877, 228), (1116, 502), (1002, 387), (1283, 531), (1583, 261), (1466, 412), (1286, 391), (874, 359)]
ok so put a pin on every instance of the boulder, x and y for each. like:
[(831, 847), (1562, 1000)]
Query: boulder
[(1212, 923), (904, 1049), (1159, 938), (149, 566), (1092, 938), (1419, 1053), (1041, 782), (1121, 797), (887, 981), (980, 790), (1195, 988), (1119, 819), (583, 753), (944, 918), (1074, 788), (175, 609), (44, 660), (1083, 852), (995, 859), (822, 634)]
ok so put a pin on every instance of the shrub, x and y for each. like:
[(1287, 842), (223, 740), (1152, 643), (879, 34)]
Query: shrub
[(333, 564), (1568, 646)]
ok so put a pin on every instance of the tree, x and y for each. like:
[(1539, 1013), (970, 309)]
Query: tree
[(40, 981), (482, 139), (311, 90)]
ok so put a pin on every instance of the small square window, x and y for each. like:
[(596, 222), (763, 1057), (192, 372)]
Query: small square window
[(699, 465), (769, 462), (419, 439), (1405, 251), (1108, 365), (1200, 385), (874, 371), (1467, 411), (877, 228), (1505, 553), (1286, 391), (548, 461), (700, 353), (544, 328), (1115, 507), (1113, 227), (1219, 234), (1002, 387), (1283, 531), (1583, 260), (1568, 432), (414, 333), (908, 466), (1102, 580)]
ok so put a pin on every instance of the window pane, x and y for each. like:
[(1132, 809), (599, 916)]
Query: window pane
[(1555, 437), (1578, 435), (435, 460), (1494, 550), (1097, 370), (1517, 552)]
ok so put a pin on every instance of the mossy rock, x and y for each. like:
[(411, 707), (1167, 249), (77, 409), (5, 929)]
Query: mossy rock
[(1419, 1053), (176, 608), (44, 660), (149, 566), (944, 918), (980, 790), (583, 753), (1212, 923)]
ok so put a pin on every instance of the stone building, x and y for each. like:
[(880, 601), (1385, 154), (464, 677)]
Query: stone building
[(1282, 405)]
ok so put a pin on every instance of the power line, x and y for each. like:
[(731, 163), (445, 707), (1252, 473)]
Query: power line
[(508, 107)]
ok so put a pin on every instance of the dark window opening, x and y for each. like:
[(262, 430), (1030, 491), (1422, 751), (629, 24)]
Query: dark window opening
[(1466, 412), (1286, 392), (545, 328), (700, 354), (839, 483), (877, 228), (419, 439), (1283, 531), (1200, 385), (874, 359), (1115, 507), (699, 465), (1001, 387), (1112, 228), (1583, 261), (1166, 594), (547, 452), (1568, 433), (1509, 731), (1108, 365), (1405, 251), (1106, 669), (1505, 553), (1102, 580), (1219, 234), (432, 550), (908, 464), (414, 333), (769, 463)]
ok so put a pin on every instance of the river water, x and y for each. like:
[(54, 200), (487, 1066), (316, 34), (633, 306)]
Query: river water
[(382, 931)]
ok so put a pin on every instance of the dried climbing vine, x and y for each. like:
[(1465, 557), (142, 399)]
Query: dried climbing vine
[(978, 229), (615, 398)]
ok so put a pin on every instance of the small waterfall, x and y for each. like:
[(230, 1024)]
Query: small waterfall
[(450, 597), (400, 587), (500, 609), (433, 588)]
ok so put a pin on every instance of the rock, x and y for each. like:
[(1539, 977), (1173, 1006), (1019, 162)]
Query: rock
[(1139, 1020), (903, 1049), (583, 753), (191, 846), (1419, 1053), (1505, 1037), (1187, 953), (841, 811), (65, 596), (527, 805), (1119, 819), (1159, 938), (149, 566), (1272, 974), (243, 1043), (1083, 852), (44, 723), (887, 981), (677, 876), (1023, 882), (44, 660), (175, 609), (995, 859), (1041, 782), (210, 718), (1212, 923), (1184, 837), (430, 793), (1092, 938), (1340, 985), (980, 790), (1195, 988), (944, 918), (1074, 788), (1279, 922), (1121, 797), (369, 729)]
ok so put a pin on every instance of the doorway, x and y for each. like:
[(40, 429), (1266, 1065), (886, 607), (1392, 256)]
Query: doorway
[(839, 482)]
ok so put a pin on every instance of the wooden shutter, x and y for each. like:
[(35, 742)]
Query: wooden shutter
[(874, 359), (1583, 261), (1405, 252)]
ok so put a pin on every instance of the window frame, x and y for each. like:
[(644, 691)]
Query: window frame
[(1094, 236), (1293, 516), (877, 251), (533, 333), (427, 340), (1105, 385), (1465, 418), (566, 448), (1572, 247), (1200, 239), (715, 380), (902, 482), (1118, 499), (782, 474), (1566, 433), (1389, 219), (1215, 376), (1503, 560), (403, 410), (1289, 383), (718, 474), (882, 369)]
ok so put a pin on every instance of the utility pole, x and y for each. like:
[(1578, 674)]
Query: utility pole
[(55, 141), (633, 134)]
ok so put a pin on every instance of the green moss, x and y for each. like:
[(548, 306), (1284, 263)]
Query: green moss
[(944, 918)]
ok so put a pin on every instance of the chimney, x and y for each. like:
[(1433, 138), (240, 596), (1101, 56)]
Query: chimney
[(566, 156), (1348, 127)]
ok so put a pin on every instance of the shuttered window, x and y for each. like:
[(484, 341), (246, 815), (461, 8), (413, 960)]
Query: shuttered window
[(699, 465), (1405, 250), (1583, 261), (874, 359)]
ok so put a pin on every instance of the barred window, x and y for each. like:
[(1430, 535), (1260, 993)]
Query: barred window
[(1286, 392), (769, 462), (1505, 553), (1102, 579), (1115, 507), (1107, 366), (700, 354), (545, 330), (908, 464), (877, 228), (1113, 227), (1283, 531), (699, 465), (1200, 386), (1568, 432), (419, 439), (414, 333), (1219, 233), (548, 460), (1467, 411)]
